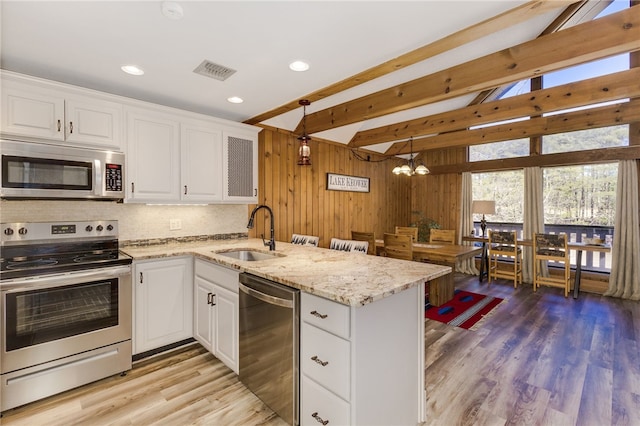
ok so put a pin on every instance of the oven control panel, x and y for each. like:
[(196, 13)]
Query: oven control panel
[(34, 231)]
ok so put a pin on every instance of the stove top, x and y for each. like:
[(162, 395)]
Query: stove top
[(43, 248)]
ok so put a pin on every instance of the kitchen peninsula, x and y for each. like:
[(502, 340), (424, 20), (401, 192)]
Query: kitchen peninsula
[(379, 342)]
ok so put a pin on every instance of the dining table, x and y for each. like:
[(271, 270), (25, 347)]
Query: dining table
[(448, 254), (441, 290), (578, 247)]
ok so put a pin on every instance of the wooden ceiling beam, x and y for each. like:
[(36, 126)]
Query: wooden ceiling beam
[(610, 87), (607, 36), (622, 113), (512, 17)]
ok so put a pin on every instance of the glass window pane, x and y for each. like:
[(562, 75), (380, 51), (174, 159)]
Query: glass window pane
[(506, 188), (580, 195), (605, 137), (496, 150)]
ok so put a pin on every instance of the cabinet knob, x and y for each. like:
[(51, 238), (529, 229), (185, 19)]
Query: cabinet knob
[(140, 277), (59, 125), (319, 419), (71, 127), (185, 190)]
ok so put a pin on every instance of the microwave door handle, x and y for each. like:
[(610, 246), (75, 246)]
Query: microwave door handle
[(98, 175)]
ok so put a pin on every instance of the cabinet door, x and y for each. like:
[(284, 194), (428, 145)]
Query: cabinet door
[(240, 168), (203, 312), (226, 327), (30, 112), (163, 303), (201, 163), (93, 122), (153, 157)]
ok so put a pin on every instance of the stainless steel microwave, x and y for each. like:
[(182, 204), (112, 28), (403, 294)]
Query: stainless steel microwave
[(41, 171)]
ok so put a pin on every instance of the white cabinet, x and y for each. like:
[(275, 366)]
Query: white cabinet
[(173, 160), (201, 162), (240, 171), (216, 311), (35, 110), (342, 350), (153, 156), (163, 302)]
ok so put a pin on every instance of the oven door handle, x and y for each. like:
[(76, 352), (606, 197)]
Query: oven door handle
[(60, 280)]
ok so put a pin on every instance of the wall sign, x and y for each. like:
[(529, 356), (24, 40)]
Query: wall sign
[(337, 182)]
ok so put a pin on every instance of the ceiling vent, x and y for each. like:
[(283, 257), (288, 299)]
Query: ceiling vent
[(209, 69)]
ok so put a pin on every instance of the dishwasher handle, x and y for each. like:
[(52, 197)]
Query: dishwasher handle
[(273, 300)]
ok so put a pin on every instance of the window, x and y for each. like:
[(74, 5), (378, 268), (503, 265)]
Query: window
[(580, 195), (506, 188)]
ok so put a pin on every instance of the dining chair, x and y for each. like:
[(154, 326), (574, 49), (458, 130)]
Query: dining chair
[(554, 248), (305, 240), (398, 246), (504, 245), (408, 230), (369, 237), (349, 245), (447, 236)]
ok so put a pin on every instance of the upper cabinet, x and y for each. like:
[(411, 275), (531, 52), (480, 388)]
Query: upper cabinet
[(240, 171), (153, 156), (35, 110), (173, 156), (180, 159)]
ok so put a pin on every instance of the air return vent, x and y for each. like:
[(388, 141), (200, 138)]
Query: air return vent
[(209, 69)]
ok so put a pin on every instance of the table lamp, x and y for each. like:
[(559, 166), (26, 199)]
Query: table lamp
[(483, 207)]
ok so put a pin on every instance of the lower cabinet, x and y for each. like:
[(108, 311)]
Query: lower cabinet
[(362, 365), (163, 302), (216, 311)]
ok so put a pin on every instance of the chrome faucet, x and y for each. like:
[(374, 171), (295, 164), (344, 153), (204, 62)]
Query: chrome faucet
[(272, 242)]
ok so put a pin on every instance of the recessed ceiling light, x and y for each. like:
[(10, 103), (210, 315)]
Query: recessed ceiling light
[(172, 10), (235, 100), (132, 69), (298, 66)]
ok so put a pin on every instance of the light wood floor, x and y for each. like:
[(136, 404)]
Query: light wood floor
[(540, 359)]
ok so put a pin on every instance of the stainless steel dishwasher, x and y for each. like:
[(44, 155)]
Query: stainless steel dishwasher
[(270, 344)]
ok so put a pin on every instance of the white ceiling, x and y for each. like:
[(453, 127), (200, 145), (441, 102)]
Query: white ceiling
[(86, 42)]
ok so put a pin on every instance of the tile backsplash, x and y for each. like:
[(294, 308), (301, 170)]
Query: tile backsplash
[(135, 221)]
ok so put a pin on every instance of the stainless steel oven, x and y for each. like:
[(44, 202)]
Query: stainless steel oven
[(65, 304), (41, 171)]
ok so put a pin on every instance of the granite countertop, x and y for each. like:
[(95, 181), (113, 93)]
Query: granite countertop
[(353, 279)]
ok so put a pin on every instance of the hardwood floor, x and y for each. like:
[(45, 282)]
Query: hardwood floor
[(540, 359)]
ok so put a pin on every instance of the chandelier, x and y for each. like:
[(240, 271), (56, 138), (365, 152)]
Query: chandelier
[(304, 152), (410, 168)]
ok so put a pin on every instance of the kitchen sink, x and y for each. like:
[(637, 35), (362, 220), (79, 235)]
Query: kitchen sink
[(249, 255)]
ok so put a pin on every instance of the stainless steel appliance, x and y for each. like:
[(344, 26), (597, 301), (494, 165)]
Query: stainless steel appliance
[(65, 305), (270, 344), (41, 171)]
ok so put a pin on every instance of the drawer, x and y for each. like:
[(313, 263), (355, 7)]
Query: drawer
[(318, 405), (224, 277), (323, 313), (326, 359)]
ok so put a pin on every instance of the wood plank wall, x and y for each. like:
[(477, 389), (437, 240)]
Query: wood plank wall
[(302, 204), (438, 196)]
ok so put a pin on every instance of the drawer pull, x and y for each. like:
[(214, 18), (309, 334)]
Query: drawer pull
[(319, 315), (319, 419), (319, 361)]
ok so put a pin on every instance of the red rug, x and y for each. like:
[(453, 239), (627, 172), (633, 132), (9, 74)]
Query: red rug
[(465, 310)]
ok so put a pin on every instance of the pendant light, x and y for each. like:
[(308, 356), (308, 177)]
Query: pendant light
[(304, 152), (410, 169)]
